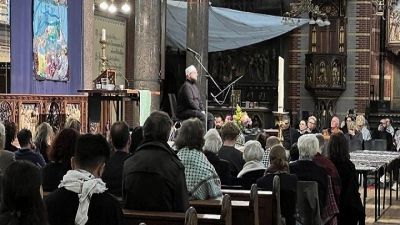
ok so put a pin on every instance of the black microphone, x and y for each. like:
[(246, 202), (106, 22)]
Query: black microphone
[(192, 51)]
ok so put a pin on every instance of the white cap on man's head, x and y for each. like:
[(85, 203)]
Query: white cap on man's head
[(190, 69)]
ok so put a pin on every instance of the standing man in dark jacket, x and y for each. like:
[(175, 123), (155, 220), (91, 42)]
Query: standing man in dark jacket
[(154, 178), (189, 100)]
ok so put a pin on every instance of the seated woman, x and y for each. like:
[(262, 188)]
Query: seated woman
[(253, 168), (354, 137), (279, 166), (43, 137), (351, 210), (202, 180), (60, 154), (212, 144), (22, 202)]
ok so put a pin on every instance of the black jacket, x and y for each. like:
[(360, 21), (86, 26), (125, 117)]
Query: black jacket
[(62, 206), (189, 98), (154, 179), (52, 174), (221, 166), (234, 157), (112, 174), (307, 170), (351, 209)]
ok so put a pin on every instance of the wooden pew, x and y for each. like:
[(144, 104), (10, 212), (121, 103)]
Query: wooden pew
[(265, 200), (134, 217), (243, 212), (222, 217)]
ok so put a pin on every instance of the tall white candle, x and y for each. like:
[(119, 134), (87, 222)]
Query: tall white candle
[(103, 34), (281, 84)]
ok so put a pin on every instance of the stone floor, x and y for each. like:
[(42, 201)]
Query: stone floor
[(391, 215)]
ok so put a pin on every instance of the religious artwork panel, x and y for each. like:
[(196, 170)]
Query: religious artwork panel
[(5, 11), (73, 110), (29, 116), (50, 40), (53, 114), (6, 111), (393, 32)]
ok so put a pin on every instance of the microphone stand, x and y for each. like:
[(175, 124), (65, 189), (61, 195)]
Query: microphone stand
[(207, 75)]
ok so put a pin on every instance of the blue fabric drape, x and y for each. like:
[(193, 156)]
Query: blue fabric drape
[(22, 81), (228, 29)]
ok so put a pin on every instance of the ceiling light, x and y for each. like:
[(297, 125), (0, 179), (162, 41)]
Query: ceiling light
[(103, 5), (126, 8)]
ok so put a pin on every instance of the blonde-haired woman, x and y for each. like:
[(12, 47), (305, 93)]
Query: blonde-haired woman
[(279, 166), (43, 137), (354, 137)]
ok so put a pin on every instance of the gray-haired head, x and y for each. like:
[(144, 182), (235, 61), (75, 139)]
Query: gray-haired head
[(190, 69), (212, 141), (252, 151), (308, 146), (271, 141)]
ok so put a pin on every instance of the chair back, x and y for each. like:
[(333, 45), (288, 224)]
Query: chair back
[(276, 191), (308, 203)]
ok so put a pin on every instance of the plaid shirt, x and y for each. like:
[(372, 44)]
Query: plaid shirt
[(331, 170), (331, 210), (265, 158), (202, 180)]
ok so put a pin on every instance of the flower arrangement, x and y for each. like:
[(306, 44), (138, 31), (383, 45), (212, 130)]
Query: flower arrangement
[(240, 118)]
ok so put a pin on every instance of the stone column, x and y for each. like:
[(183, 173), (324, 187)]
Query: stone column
[(147, 50), (88, 31), (197, 39)]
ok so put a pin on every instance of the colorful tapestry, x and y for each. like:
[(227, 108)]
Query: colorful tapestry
[(50, 40)]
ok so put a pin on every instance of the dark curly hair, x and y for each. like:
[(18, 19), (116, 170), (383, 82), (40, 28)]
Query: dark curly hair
[(338, 148), (63, 146), (191, 134)]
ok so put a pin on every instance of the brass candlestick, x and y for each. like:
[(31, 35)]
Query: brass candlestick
[(103, 57), (279, 118)]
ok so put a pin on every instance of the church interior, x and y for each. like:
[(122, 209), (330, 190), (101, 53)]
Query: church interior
[(266, 65)]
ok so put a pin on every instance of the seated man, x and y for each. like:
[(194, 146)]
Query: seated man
[(154, 178), (26, 151), (120, 140), (189, 100), (81, 198)]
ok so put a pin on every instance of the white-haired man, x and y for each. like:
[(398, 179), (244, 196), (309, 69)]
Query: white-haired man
[(306, 169), (189, 100)]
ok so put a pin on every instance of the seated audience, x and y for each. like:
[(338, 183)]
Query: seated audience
[(351, 210), (345, 124), (6, 157), (335, 125), (27, 152), (253, 168), (212, 144), (202, 180), (354, 137), (269, 143), (306, 169), (43, 138), (11, 131), (288, 182), (81, 198), (381, 133), (60, 153), (218, 121), (303, 129), (312, 125), (154, 177), (362, 127), (22, 200), (120, 141), (136, 139), (330, 169), (290, 135), (262, 138), (229, 133), (73, 124), (389, 127)]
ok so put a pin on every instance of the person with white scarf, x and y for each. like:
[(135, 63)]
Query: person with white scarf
[(80, 198), (253, 168)]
